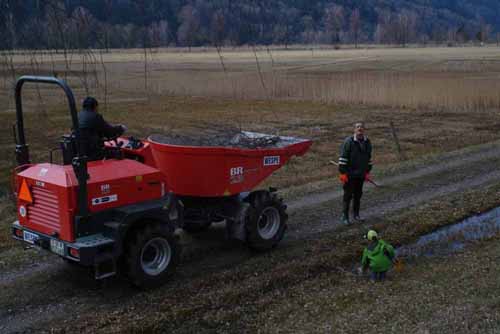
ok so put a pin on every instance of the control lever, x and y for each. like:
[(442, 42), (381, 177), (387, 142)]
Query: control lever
[(134, 143), (117, 142)]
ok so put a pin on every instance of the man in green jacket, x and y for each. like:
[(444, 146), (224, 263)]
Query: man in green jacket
[(378, 256), (355, 164)]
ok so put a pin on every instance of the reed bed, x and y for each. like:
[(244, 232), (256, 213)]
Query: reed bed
[(435, 78)]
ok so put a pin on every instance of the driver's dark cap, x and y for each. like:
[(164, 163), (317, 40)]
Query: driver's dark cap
[(90, 103)]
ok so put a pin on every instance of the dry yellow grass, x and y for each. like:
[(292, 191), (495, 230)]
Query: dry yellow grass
[(452, 78)]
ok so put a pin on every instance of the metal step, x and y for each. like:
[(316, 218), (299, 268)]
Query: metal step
[(94, 240)]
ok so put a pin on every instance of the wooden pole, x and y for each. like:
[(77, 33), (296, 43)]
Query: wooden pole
[(395, 138)]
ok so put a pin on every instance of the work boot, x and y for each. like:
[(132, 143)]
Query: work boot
[(345, 212), (358, 218), (355, 211)]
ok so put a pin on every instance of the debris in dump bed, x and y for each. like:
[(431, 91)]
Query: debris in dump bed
[(243, 140), (225, 138)]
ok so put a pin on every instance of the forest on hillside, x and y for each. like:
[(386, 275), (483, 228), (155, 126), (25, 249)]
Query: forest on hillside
[(82, 24)]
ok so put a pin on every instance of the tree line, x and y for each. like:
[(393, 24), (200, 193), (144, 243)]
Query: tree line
[(105, 24)]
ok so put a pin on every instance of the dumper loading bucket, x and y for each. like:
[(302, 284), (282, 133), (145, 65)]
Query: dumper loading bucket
[(210, 171)]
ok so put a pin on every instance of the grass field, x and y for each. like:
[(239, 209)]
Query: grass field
[(455, 78)]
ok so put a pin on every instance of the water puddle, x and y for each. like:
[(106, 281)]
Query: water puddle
[(455, 237)]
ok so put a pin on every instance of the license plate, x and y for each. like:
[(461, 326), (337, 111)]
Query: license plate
[(57, 247), (30, 237)]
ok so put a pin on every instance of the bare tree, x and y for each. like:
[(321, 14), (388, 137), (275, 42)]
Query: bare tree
[(378, 34), (11, 30), (159, 33), (283, 31), (58, 31), (406, 23), (452, 36), (83, 25), (105, 75), (190, 25), (334, 22), (438, 33), (10, 67), (42, 115), (217, 28), (8, 56), (484, 31), (308, 33), (108, 10), (355, 26), (459, 35), (144, 37), (384, 29)]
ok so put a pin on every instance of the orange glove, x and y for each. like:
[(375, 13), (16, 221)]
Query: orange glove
[(368, 177), (343, 178)]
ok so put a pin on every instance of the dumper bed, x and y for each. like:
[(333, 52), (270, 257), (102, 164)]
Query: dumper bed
[(222, 166)]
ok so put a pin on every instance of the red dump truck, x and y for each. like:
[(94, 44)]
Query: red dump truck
[(122, 211)]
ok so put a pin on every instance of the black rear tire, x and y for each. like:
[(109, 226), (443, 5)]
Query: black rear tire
[(265, 221), (152, 256)]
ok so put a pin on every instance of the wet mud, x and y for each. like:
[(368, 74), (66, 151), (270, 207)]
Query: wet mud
[(456, 237)]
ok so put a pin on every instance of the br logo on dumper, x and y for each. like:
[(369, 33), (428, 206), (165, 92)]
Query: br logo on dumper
[(105, 188)]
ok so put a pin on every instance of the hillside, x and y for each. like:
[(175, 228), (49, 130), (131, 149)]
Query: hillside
[(60, 24)]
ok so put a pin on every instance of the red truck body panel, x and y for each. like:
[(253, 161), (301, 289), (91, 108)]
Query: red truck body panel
[(112, 183)]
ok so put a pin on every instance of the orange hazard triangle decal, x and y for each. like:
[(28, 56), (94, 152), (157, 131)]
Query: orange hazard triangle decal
[(25, 193)]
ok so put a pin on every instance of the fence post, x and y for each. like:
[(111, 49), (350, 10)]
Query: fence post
[(401, 155)]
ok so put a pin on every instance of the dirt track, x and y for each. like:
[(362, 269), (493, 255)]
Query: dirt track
[(37, 296)]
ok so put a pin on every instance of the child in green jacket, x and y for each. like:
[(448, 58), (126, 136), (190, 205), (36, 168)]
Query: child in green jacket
[(377, 256)]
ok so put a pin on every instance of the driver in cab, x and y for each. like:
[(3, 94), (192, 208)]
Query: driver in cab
[(94, 130)]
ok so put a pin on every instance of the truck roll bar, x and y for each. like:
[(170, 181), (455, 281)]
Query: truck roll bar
[(79, 163), (19, 111)]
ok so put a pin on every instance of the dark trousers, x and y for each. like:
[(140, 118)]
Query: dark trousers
[(380, 276), (353, 190)]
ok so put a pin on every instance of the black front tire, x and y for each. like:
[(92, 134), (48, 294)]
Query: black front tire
[(265, 221), (152, 256)]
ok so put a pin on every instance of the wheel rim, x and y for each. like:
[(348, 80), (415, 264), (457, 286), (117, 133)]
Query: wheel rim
[(268, 223), (155, 256)]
